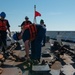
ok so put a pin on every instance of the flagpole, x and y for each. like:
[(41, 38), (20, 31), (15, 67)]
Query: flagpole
[(34, 14)]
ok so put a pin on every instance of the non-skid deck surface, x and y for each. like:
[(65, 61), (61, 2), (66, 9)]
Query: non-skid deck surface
[(11, 71), (68, 63)]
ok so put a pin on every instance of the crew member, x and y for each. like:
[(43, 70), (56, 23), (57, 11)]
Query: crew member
[(4, 26), (44, 26)]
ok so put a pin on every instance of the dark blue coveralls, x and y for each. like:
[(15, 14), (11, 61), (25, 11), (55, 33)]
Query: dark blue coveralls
[(36, 43)]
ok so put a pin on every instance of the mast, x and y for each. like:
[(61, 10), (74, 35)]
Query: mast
[(34, 14)]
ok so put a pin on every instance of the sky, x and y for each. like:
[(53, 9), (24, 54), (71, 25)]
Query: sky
[(58, 15)]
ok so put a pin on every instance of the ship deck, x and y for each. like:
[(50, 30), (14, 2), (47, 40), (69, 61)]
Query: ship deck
[(64, 65)]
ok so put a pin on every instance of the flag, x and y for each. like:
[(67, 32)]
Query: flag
[(37, 14)]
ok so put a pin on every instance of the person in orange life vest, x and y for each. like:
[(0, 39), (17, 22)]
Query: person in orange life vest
[(33, 34), (44, 26), (4, 26), (26, 22)]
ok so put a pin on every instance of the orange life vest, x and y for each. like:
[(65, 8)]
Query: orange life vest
[(3, 25), (27, 23), (33, 31)]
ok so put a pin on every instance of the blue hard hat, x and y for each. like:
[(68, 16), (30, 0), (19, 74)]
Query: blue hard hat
[(15, 36), (3, 14)]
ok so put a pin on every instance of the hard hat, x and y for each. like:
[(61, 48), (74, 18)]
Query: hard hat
[(26, 17), (3, 14), (15, 36), (41, 21)]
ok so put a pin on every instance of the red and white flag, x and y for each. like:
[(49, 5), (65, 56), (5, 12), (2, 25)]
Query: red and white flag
[(37, 14)]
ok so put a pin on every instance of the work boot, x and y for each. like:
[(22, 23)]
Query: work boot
[(43, 62), (35, 62)]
